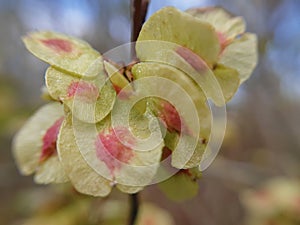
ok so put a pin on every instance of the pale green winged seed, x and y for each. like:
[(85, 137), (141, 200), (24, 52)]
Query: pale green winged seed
[(90, 105), (188, 62), (221, 20), (82, 176), (67, 53), (115, 76), (228, 79), (50, 171), (27, 146), (241, 55), (182, 186), (186, 148), (172, 25), (129, 176)]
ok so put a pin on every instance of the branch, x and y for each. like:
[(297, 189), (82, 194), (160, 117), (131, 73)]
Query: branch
[(139, 11), (134, 201)]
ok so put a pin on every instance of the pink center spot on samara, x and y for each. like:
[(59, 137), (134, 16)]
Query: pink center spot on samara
[(223, 41), (191, 58), (117, 88), (171, 118), (84, 91), (49, 140), (114, 147), (122, 94), (58, 45)]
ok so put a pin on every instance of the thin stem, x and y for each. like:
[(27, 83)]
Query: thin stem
[(138, 15), (139, 11), (134, 201)]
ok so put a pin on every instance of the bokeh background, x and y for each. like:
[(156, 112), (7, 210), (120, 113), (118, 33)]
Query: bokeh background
[(262, 142)]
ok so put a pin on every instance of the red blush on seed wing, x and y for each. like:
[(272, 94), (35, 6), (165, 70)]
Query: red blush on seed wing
[(171, 118), (191, 58), (112, 151), (58, 45), (84, 91), (49, 140), (224, 42)]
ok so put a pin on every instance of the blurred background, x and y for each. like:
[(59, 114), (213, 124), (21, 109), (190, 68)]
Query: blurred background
[(255, 178)]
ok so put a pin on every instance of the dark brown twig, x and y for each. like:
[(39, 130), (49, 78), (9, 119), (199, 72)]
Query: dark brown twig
[(138, 15), (139, 11)]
